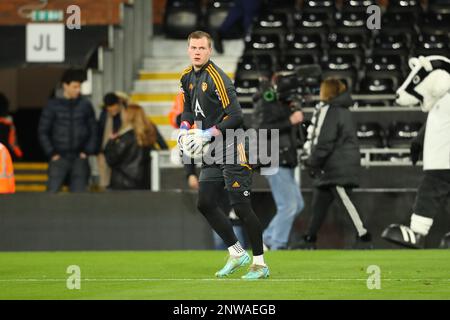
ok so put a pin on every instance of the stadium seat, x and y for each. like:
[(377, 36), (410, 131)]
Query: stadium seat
[(347, 43), (297, 43), (290, 62), (323, 6), (311, 22), (430, 44), (435, 23), (357, 5), (181, 18), (391, 65), (401, 133), (262, 44), (385, 43), (403, 6), (376, 85), (254, 66), (438, 6), (351, 22), (246, 87), (341, 66), (216, 13), (398, 22), (370, 135), (270, 23)]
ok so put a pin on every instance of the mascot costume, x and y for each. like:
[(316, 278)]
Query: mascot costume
[(428, 84)]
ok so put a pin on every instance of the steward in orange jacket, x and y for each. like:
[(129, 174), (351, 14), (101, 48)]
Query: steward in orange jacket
[(7, 181)]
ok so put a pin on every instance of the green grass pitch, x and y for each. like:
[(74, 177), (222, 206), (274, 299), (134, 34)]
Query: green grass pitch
[(171, 275)]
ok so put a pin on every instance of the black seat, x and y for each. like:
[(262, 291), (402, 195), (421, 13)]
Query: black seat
[(357, 5), (438, 6), (323, 6), (390, 65), (311, 22), (400, 134), (254, 66), (341, 66), (370, 135), (398, 22), (262, 44), (297, 43), (435, 23), (376, 86), (403, 6), (269, 23), (347, 43), (246, 87), (181, 18), (216, 13), (290, 62), (430, 44), (352, 22), (385, 43)]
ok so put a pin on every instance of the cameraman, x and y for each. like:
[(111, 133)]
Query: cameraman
[(286, 116)]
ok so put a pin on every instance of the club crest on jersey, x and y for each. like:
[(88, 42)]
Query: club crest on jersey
[(198, 109), (191, 86), (204, 86)]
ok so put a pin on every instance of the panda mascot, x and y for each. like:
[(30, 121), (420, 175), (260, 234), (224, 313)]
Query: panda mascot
[(429, 85)]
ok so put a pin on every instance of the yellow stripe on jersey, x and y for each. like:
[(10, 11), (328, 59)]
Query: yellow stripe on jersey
[(186, 71), (241, 153), (219, 85)]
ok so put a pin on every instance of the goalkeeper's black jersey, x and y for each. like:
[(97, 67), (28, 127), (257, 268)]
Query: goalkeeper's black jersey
[(210, 99)]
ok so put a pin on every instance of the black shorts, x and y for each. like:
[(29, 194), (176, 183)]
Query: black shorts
[(432, 194), (235, 176)]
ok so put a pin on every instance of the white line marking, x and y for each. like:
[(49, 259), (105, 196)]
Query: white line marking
[(216, 279)]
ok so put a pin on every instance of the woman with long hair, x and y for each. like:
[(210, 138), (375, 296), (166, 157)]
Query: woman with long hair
[(128, 151)]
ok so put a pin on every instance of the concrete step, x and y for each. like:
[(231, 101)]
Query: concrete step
[(163, 47), (150, 75), (158, 64), (139, 97), (156, 86), (156, 108)]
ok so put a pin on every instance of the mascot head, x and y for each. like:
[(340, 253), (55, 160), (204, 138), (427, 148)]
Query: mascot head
[(427, 82)]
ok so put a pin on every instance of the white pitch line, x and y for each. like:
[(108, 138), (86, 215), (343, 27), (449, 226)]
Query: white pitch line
[(206, 280)]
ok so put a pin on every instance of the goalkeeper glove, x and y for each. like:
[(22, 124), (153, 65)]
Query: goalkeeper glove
[(184, 128), (200, 137)]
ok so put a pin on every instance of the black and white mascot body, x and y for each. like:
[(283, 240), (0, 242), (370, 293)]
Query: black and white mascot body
[(429, 85)]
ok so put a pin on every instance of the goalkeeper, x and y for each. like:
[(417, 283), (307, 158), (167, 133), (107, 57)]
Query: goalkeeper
[(210, 102)]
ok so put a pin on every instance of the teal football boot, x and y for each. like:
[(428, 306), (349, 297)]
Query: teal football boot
[(233, 263)]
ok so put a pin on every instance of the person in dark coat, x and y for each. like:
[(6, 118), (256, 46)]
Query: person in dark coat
[(333, 160), (68, 135), (128, 152)]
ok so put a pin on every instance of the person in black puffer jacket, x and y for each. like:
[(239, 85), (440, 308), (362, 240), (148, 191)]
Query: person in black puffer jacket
[(332, 157), (68, 134), (128, 152)]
